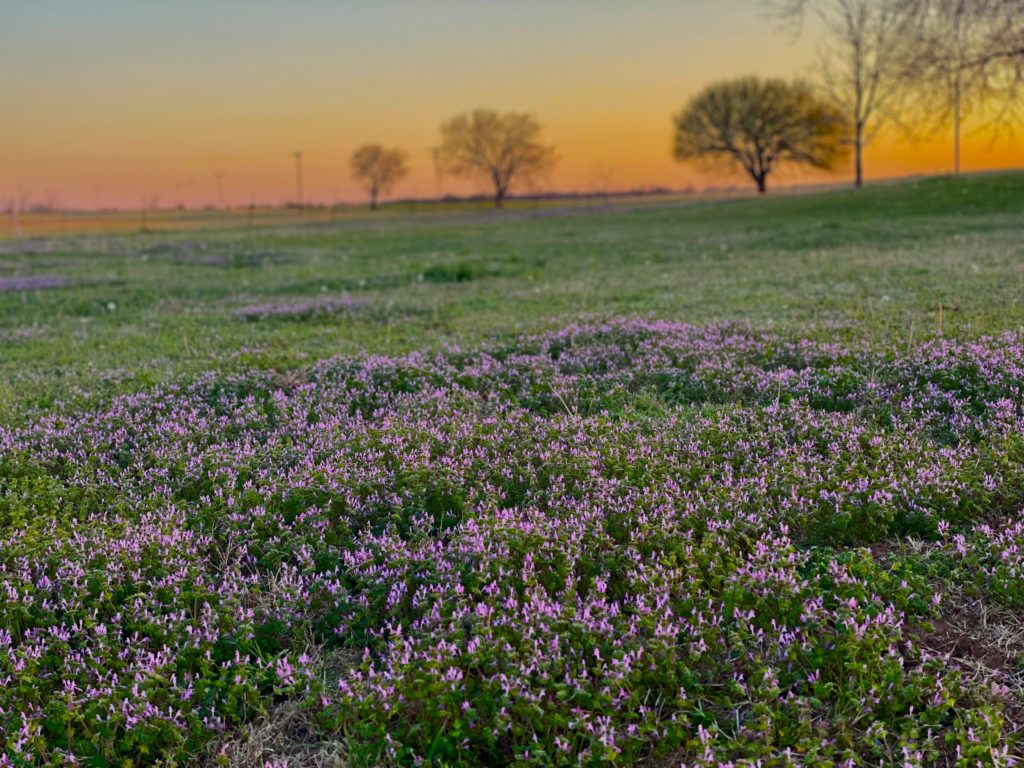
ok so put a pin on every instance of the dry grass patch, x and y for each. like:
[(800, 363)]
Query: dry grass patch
[(986, 642), (285, 737)]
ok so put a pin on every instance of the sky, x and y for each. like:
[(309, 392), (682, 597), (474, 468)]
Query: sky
[(127, 103)]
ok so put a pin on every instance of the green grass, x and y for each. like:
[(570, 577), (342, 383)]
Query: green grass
[(849, 474), (904, 260)]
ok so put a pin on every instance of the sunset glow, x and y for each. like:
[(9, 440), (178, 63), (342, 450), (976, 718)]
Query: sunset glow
[(107, 104)]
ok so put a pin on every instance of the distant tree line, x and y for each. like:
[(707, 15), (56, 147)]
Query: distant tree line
[(926, 62), (909, 64), (503, 149)]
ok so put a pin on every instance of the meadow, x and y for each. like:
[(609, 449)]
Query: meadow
[(693, 483)]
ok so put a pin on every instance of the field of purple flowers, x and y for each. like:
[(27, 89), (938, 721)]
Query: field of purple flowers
[(639, 543)]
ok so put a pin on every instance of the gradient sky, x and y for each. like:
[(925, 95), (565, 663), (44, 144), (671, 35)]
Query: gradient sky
[(120, 102)]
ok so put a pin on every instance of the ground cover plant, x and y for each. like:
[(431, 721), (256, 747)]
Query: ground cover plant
[(630, 540), (605, 543)]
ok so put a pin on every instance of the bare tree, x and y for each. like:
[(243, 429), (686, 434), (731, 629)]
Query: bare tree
[(760, 124), (863, 63), (379, 169), (503, 148), (966, 55), (951, 36), (1003, 56), (1005, 42)]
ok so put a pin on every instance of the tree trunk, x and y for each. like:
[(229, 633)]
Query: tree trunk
[(762, 183), (956, 125), (858, 157), (373, 199), (499, 198)]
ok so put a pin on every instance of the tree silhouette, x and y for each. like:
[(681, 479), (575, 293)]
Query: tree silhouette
[(378, 169), (968, 55), (758, 125), (503, 148), (863, 64)]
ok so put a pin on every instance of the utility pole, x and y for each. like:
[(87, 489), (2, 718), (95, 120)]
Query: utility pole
[(219, 176), (298, 178), (435, 154), (15, 224)]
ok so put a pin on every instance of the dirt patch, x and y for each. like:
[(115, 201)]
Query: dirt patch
[(966, 644), (984, 641), (884, 550)]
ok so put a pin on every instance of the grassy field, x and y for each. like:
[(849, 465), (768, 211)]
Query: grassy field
[(906, 261), (690, 483)]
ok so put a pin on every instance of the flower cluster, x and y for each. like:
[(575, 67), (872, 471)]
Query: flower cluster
[(639, 541), (31, 283), (321, 306), (992, 558)]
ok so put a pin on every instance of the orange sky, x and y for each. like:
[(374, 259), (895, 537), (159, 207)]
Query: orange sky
[(118, 102)]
